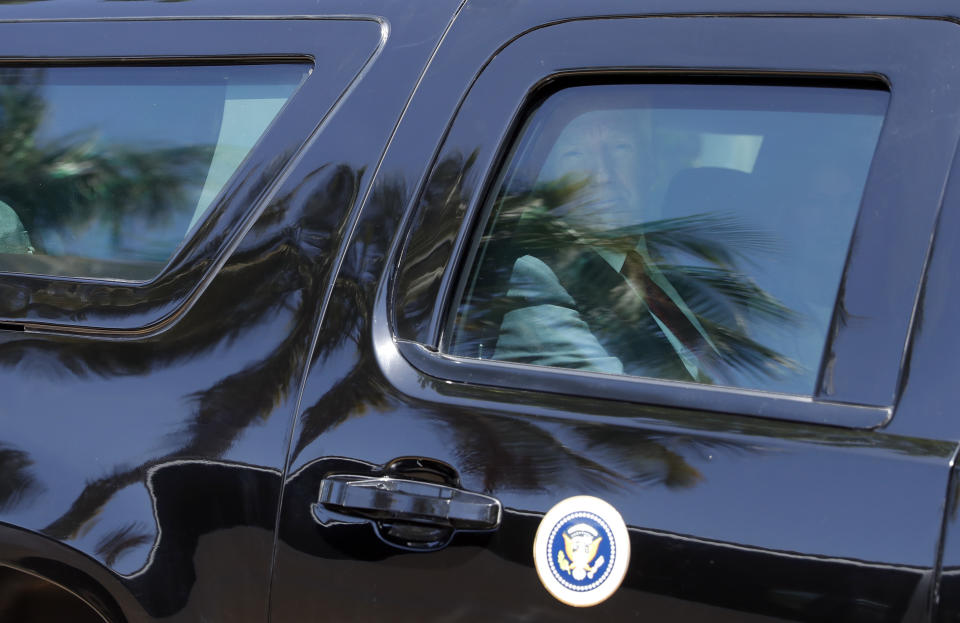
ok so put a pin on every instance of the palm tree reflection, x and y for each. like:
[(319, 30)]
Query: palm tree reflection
[(113, 545), (244, 397), (17, 484), (289, 250), (70, 186), (79, 184), (690, 263), (501, 452)]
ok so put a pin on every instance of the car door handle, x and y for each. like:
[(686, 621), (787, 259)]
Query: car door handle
[(396, 499)]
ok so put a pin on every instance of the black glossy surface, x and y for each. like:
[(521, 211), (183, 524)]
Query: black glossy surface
[(338, 50), (145, 470), (947, 602), (152, 463), (930, 391), (29, 599), (807, 513), (863, 359)]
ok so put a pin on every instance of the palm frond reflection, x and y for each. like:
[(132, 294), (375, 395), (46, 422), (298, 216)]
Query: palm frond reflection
[(668, 298), (17, 484), (108, 202)]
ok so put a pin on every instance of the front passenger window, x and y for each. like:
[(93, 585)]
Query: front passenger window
[(684, 232)]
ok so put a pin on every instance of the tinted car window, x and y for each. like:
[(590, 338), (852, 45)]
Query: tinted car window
[(682, 232), (103, 170)]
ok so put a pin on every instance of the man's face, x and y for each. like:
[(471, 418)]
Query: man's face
[(600, 148)]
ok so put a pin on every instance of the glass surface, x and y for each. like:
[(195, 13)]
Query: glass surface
[(104, 170), (683, 232)]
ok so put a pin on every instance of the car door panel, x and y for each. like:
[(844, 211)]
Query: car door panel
[(927, 400)]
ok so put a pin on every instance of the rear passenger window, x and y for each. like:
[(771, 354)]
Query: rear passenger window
[(683, 232), (104, 170)]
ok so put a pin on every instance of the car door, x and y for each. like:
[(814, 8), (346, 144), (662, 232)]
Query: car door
[(749, 496), (174, 179)]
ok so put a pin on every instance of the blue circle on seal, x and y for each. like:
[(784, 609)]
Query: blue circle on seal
[(582, 550)]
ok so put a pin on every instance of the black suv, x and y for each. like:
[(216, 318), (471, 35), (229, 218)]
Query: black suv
[(479, 310)]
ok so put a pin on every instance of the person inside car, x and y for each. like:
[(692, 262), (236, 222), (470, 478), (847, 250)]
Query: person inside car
[(588, 297)]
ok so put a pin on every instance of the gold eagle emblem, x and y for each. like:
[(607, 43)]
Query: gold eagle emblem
[(580, 543)]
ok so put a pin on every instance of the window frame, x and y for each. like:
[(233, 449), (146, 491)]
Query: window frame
[(863, 364), (103, 306)]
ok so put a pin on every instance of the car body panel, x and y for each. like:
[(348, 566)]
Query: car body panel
[(717, 503), (338, 49), (159, 454)]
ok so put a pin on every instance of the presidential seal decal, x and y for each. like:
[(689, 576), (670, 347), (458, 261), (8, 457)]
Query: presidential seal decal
[(582, 550)]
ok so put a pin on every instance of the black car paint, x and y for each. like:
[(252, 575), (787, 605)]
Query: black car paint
[(192, 418), (233, 357)]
